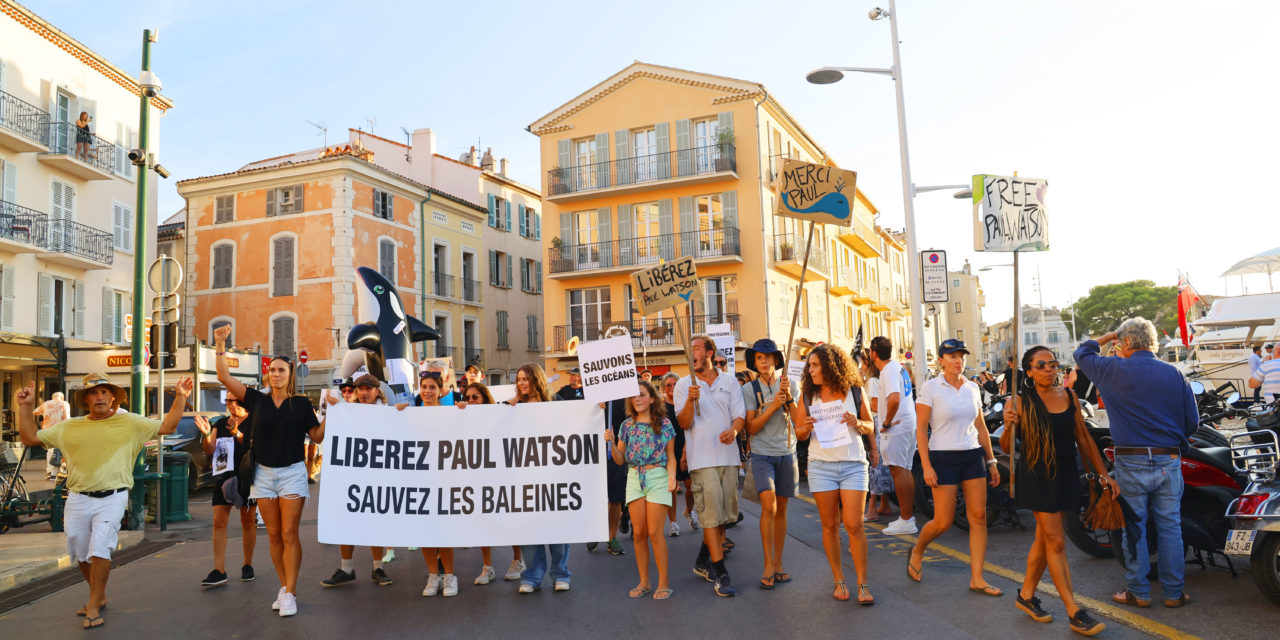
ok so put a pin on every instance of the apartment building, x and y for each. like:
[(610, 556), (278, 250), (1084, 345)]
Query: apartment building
[(964, 312), (67, 202), (272, 249), (1039, 327), (657, 163)]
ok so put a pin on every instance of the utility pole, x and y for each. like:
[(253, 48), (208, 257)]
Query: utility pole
[(137, 377)]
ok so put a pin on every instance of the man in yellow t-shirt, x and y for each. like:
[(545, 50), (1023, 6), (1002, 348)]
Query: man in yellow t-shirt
[(99, 448)]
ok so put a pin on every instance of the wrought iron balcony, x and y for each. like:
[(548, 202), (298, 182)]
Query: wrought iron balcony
[(23, 126), (441, 285), (471, 291), (788, 256), (708, 243), (646, 333), (79, 245), (27, 229), (640, 170), (85, 154)]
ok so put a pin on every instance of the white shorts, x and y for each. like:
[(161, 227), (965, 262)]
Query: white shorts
[(93, 525), (898, 450)]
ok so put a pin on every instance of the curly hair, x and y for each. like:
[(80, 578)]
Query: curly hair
[(537, 384), (657, 410), (838, 371)]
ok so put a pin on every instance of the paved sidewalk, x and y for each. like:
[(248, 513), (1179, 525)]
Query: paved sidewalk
[(27, 557)]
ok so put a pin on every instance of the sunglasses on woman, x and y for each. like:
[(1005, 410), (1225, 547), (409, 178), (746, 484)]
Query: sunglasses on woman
[(722, 363), (474, 398), (1051, 365)]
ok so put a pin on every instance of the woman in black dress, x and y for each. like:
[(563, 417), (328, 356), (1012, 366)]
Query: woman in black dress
[(1047, 423)]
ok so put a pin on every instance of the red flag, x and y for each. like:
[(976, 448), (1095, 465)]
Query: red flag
[(1187, 296)]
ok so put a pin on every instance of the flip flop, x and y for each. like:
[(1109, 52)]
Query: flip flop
[(987, 591), (782, 577), (81, 611), (639, 592), (93, 623), (767, 585), (915, 574), (662, 594)]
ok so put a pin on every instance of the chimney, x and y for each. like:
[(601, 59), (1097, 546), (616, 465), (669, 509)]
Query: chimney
[(486, 162), (503, 167)]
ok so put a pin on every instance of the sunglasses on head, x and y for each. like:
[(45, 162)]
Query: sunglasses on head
[(285, 358), (431, 374), (1051, 365)]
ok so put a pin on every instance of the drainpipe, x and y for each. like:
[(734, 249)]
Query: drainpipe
[(764, 245), (422, 246)]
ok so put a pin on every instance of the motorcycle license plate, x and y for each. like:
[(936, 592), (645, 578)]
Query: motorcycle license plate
[(1240, 542)]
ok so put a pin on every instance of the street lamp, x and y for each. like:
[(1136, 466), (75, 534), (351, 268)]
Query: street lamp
[(828, 75)]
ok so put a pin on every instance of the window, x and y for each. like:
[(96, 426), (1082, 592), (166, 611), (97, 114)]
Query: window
[(706, 150), (532, 322), (282, 261), (166, 249), (647, 229), (587, 238), (1031, 337), (224, 256), (530, 276), (224, 209), (441, 280), (442, 328), (121, 227), (500, 269), (502, 331), (710, 212), (957, 306), (114, 307), (644, 149), (63, 212), (7, 297), (387, 259), (383, 205), (220, 321), (283, 330), (715, 299), (584, 163), (960, 335), (60, 306), (955, 283), (470, 350), (499, 213), (284, 200), (530, 223), (1054, 337), (590, 312)]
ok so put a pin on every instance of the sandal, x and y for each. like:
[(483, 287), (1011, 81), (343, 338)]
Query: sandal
[(767, 582), (1127, 597), (914, 573), (639, 592), (81, 612), (782, 577), (864, 589), (93, 623), (728, 544), (988, 590), (841, 591), (662, 594)]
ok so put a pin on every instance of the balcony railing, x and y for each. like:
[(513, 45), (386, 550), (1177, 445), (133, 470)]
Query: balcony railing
[(67, 236), (471, 290), (28, 120), (65, 138), (20, 224), (441, 285), (708, 243), (681, 163), (789, 247), (646, 332)]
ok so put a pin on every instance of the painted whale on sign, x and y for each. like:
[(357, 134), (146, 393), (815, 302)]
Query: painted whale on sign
[(835, 204)]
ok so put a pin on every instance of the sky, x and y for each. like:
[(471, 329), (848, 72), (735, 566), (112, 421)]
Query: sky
[(1152, 120)]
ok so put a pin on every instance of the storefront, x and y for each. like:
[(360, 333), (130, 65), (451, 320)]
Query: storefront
[(116, 362), (25, 360)]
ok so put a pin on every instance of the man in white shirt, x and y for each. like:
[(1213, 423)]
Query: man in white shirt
[(1255, 361), (1267, 378), (711, 451), (897, 411)]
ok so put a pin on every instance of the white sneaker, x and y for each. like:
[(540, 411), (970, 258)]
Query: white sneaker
[(486, 576), (275, 606), (693, 521), (288, 605), (450, 585), (674, 529), (901, 527), (433, 585), (389, 556), (526, 588), (515, 570), (562, 585)]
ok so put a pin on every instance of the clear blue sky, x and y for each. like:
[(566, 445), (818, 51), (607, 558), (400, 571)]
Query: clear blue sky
[(1154, 121)]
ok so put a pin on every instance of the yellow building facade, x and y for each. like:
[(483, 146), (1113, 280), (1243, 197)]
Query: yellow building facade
[(657, 163)]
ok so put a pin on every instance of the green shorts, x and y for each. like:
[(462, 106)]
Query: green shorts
[(655, 486)]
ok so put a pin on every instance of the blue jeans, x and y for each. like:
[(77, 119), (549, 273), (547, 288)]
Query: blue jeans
[(535, 563), (1152, 486)]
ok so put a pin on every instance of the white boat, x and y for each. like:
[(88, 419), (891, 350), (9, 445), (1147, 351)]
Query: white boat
[(1226, 336)]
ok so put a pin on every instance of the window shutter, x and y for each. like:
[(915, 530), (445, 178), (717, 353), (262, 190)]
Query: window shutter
[(297, 199), (666, 229), (44, 300), (509, 278), (387, 260), (224, 209), (108, 314), (688, 227), (125, 226), (493, 216), (10, 192), (724, 121), (537, 275), (626, 242), (524, 227), (493, 267), (566, 234), (524, 274), (602, 160), (502, 329), (507, 225), (728, 240), (131, 138), (662, 139), (78, 308), (223, 256), (283, 267), (271, 202), (533, 332), (537, 225), (684, 147), (564, 152), (621, 153), (604, 222), (6, 297)]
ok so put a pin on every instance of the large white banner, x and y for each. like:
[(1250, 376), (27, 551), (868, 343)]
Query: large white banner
[(486, 475)]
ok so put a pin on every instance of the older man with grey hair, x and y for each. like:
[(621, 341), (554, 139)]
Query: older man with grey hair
[(1152, 412)]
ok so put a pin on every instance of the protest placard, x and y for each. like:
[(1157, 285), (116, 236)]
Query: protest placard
[(666, 285), (829, 424), (795, 370), (224, 458), (816, 192), (1009, 214), (486, 475), (608, 369), (726, 343)]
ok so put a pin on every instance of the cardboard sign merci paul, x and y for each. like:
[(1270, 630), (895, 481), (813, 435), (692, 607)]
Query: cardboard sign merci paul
[(816, 192), (666, 285)]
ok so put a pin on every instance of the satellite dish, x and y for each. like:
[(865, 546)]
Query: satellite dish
[(572, 347)]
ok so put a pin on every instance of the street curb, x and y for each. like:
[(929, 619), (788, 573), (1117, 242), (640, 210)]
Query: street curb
[(12, 577)]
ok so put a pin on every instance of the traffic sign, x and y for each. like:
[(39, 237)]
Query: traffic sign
[(128, 327), (933, 273), (302, 356), (164, 276)]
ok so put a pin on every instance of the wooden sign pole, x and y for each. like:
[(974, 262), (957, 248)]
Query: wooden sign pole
[(795, 315), (1014, 383)]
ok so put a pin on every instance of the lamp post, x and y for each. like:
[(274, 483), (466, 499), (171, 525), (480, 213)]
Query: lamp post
[(137, 376), (828, 75)]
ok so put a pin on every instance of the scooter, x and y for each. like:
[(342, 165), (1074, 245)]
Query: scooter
[(1255, 514)]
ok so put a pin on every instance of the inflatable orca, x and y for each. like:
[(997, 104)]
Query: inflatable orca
[(383, 336)]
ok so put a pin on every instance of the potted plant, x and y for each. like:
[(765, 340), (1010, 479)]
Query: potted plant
[(559, 181), (786, 250), (724, 156)]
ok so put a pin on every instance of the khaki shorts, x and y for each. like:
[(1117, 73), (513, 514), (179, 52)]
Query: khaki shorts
[(715, 495)]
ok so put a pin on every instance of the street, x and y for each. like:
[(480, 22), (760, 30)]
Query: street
[(145, 594)]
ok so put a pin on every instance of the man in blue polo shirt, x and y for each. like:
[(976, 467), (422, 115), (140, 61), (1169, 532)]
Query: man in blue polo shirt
[(1152, 412)]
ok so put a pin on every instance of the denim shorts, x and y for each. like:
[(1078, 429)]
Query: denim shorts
[(778, 474), (830, 476), (273, 482)]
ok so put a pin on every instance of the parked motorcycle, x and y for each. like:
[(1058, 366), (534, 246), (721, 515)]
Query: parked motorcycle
[(1255, 514), (1214, 407)]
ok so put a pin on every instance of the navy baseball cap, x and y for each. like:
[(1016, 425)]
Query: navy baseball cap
[(952, 346)]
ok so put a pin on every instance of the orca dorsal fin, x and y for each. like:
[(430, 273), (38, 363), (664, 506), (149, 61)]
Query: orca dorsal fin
[(419, 331)]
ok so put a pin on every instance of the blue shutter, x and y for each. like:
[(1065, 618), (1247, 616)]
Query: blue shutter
[(662, 140), (493, 267), (537, 275), (493, 218), (524, 228), (509, 278), (537, 225), (507, 227)]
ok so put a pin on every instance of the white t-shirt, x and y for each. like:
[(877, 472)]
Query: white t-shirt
[(872, 390), (895, 379), (720, 405), (852, 452), (952, 415)]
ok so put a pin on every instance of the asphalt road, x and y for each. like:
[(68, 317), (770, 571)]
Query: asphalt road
[(159, 596)]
